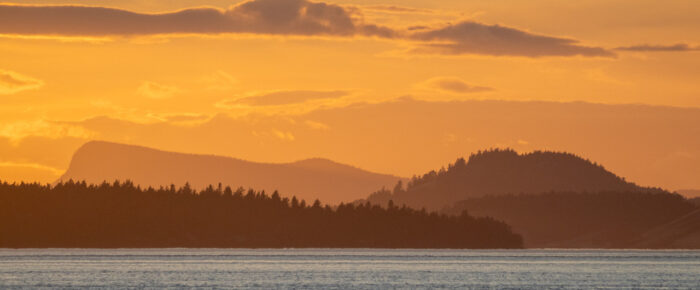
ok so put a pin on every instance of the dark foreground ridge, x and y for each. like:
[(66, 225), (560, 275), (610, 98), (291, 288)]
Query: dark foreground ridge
[(121, 215)]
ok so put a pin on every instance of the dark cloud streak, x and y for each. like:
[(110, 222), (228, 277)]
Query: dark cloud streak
[(680, 47), (476, 38), (279, 17), (454, 85), (287, 17)]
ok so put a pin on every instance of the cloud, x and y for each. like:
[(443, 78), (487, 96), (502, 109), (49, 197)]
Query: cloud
[(452, 85), (181, 119), (52, 170), (279, 98), (288, 136), (187, 117), (287, 17), (174, 118), (417, 27), (156, 91), (16, 173), (219, 81), (476, 38), (316, 125), (12, 82), (601, 76), (284, 17), (398, 9), (659, 48), (21, 129)]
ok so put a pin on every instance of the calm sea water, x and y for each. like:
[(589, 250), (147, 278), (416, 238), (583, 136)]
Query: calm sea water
[(347, 268)]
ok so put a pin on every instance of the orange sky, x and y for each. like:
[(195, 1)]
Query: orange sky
[(368, 83)]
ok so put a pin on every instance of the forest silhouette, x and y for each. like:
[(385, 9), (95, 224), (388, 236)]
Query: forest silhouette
[(75, 214)]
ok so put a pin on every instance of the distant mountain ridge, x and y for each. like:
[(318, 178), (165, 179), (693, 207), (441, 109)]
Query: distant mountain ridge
[(504, 171), (310, 179)]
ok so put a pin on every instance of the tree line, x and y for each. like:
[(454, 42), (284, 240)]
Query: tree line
[(120, 214)]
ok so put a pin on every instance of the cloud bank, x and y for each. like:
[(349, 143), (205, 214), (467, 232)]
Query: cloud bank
[(281, 17), (287, 17)]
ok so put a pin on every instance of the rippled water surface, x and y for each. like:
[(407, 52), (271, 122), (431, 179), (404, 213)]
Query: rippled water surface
[(348, 268)]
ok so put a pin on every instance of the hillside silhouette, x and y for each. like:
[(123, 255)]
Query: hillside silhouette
[(593, 220), (98, 161), (126, 216), (504, 171)]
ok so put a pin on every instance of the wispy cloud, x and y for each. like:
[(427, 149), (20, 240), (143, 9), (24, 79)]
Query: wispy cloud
[(156, 91), (452, 85), (12, 82), (219, 81), (191, 117), (316, 125), (279, 98), (397, 9), (52, 170), (288, 136), (20, 129)]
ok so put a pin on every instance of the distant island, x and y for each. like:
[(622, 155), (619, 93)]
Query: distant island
[(122, 215), (316, 178), (504, 171), (555, 200)]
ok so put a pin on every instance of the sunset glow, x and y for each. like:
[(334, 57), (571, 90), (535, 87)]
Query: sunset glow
[(397, 87)]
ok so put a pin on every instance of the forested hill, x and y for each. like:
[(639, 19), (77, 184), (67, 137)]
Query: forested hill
[(121, 215), (499, 171), (310, 179)]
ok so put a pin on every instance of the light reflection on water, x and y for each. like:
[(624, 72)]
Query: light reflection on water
[(348, 268)]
